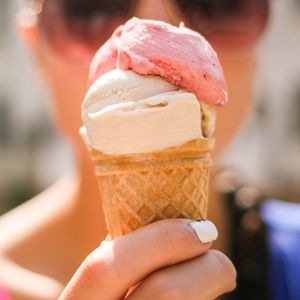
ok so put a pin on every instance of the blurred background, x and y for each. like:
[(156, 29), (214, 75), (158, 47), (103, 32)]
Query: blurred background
[(268, 148), (33, 155)]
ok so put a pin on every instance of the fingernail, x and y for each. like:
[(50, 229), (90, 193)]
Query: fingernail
[(205, 230)]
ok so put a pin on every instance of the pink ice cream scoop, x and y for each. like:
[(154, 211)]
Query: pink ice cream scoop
[(181, 56)]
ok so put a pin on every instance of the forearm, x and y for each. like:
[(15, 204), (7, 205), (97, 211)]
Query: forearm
[(24, 284)]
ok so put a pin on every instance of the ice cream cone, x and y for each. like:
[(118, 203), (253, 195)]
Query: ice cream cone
[(149, 117), (138, 189)]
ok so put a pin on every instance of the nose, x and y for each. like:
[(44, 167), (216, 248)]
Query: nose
[(163, 10)]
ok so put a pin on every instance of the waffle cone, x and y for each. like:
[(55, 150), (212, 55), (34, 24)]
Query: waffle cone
[(139, 189)]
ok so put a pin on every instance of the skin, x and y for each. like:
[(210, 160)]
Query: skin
[(50, 241)]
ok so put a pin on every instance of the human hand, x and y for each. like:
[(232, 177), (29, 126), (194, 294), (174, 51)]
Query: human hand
[(169, 259)]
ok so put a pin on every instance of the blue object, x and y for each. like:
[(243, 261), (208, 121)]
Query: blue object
[(283, 223)]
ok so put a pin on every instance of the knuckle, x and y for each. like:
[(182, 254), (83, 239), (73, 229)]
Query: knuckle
[(226, 269), (96, 269), (164, 288)]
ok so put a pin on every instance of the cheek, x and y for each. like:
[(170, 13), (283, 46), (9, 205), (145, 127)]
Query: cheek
[(239, 74), (68, 86)]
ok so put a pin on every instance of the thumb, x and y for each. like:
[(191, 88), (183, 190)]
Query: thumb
[(116, 265)]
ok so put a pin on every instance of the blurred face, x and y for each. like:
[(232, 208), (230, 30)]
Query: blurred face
[(67, 33)]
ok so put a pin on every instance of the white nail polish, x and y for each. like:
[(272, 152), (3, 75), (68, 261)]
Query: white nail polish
[(205, 230)]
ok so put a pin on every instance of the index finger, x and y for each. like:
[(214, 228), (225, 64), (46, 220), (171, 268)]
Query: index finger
[(119, 264)]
